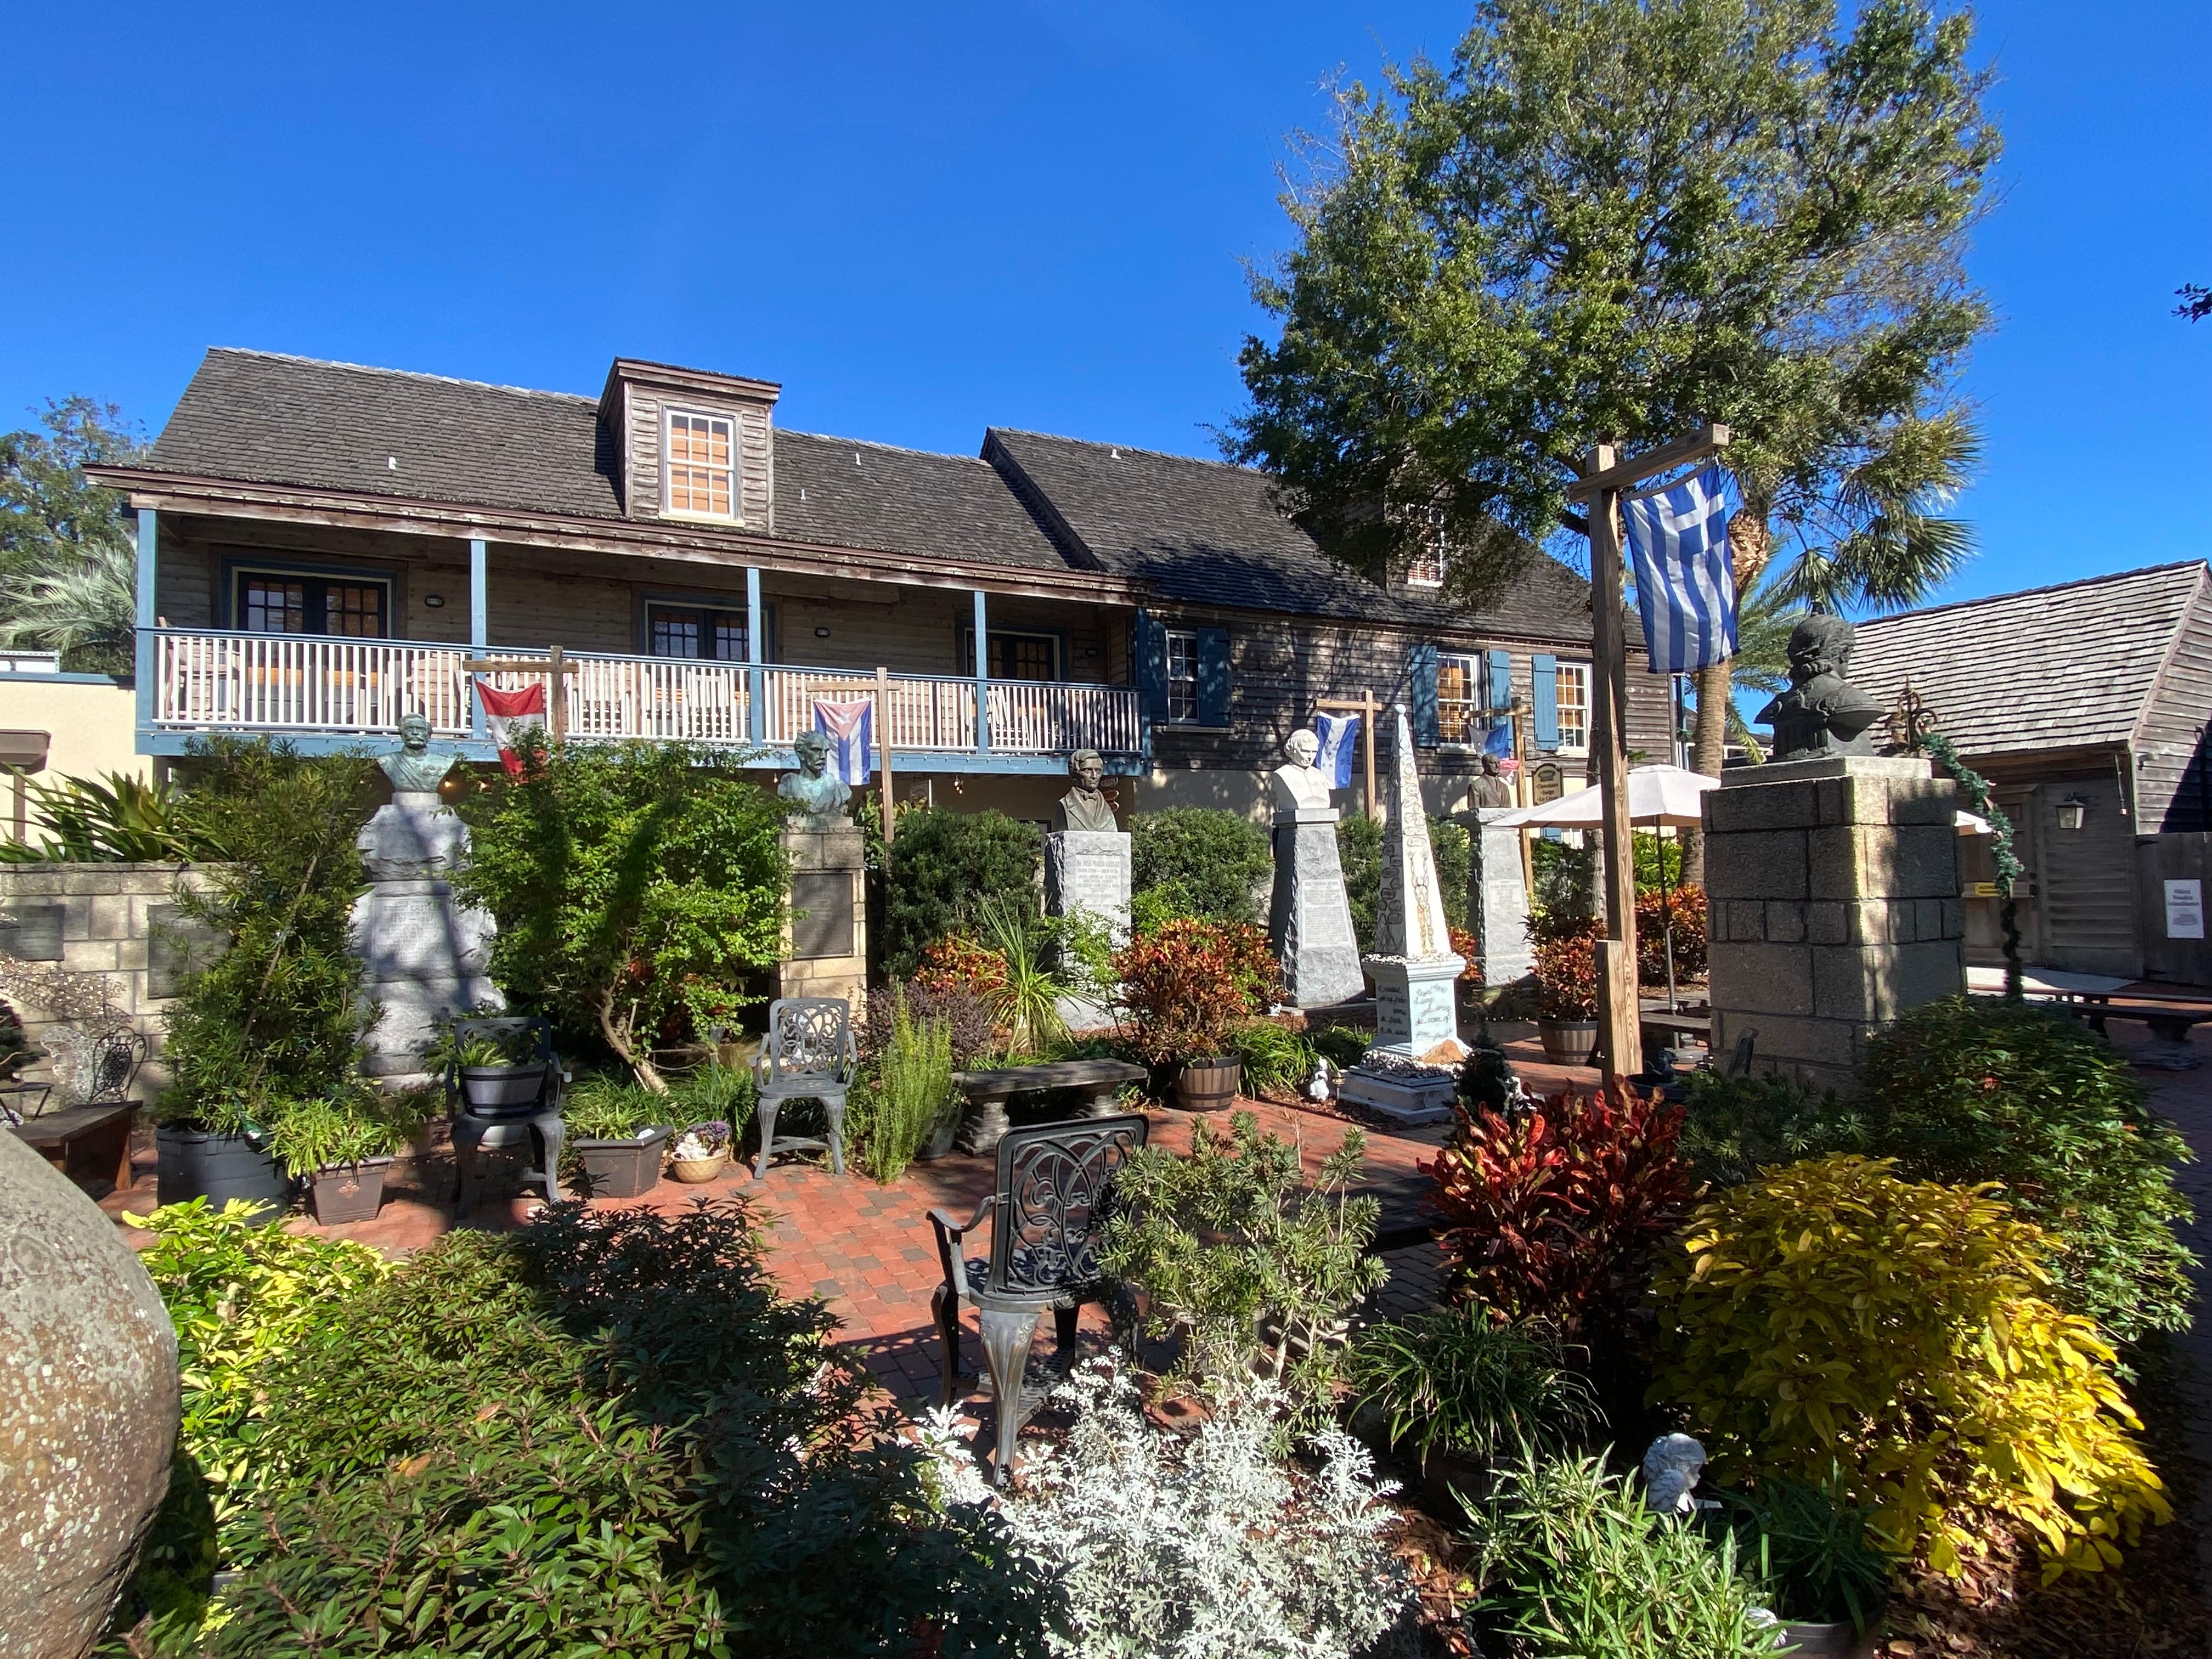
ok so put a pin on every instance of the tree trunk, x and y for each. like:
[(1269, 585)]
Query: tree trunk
[(618, 1033)]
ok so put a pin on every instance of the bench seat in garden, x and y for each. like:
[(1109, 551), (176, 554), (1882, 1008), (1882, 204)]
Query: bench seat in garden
[(987, 1093), (90, 1145)]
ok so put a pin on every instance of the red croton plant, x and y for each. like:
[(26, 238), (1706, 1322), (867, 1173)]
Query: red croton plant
[(1187, 981), (1554, 1213)]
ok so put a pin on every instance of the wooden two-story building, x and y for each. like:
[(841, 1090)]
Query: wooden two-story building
[(323, 546)]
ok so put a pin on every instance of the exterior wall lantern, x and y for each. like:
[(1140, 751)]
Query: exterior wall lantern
[(2072, 810)]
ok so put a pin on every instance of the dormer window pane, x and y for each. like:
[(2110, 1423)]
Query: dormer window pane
[(1425, 567), (700, 478)]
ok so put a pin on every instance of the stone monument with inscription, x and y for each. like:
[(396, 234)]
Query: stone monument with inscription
[(826, 941), (1310, 922), (1409, 1073), (1087, 868), (424, 953), (1498, 899)]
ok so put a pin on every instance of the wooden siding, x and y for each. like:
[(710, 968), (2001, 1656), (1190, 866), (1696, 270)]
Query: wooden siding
[(644, 406), (2173, 787)]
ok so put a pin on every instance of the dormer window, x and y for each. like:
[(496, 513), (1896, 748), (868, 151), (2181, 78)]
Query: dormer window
[(701, 465), (1425, 567)]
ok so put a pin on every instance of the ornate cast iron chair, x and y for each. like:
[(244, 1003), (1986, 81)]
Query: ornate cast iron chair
[(536, 1123), (1050, 1208), (809, 1054)]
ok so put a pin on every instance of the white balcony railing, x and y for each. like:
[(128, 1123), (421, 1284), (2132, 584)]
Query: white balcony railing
[(233, 682)]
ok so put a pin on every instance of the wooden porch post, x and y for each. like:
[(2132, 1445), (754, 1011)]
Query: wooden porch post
[(143, 652), (982, 676), (884, 743), (479, 628), (756, 647)]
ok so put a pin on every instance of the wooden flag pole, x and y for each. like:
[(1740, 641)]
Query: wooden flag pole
[(1605, 478), (557, 667), (883, 744), (1367, 708)]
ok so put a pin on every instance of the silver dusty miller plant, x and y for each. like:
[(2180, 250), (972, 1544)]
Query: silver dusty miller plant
[(1210, 1545)]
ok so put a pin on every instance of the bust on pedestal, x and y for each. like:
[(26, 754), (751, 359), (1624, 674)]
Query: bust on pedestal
[(1086, 867), (1310, 922), (423, 954), (1498, 899), (826, 947)]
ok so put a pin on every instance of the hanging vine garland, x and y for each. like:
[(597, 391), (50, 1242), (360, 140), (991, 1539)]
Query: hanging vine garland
[(1976, 788)]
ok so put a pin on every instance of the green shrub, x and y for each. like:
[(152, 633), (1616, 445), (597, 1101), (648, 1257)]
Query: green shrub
[(123, 820), (1342, 1045), (1974, 1089), (1454, 1380), (277, 1016), (914, 1092), (717, 1091), (1735, 1127), (1206, 861), (1572, 1563), (345, 1127), (635, 888), (603, 1108), (1454, 853), (1252, 1265), (1813, 1549), (1271, 1057), (941, 864), (1566, 879), (604, 1432)]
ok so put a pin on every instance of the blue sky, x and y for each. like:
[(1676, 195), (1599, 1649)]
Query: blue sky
[(924, 219)]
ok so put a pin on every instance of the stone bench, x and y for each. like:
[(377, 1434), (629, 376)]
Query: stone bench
[(2170, 1023), (987, 1093)]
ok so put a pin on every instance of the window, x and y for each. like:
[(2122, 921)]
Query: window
[(1425, 566), (1461, 716), (687, 630), (1574, 706), (269, 602), (701, 476), (1014, 656), (1182, 676)]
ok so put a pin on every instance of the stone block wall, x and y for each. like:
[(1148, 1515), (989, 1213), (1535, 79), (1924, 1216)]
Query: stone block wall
[(115, 919), (1833, 898)]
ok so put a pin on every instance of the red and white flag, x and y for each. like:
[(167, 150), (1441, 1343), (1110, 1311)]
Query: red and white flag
[(509, 715)]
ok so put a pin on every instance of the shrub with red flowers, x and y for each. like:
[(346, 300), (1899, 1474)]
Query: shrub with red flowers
[(1687, 905), (1554, 1213), (1187, 981), (958, 962), (1566, 971)]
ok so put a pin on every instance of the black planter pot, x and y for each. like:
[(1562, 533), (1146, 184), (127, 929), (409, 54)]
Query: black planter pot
[(491, 1090), (349, 1192), (942, 1135), (622, 1168), (199, 1164)]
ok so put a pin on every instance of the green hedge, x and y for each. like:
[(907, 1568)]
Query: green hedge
[(1201, 861), (940, 864)]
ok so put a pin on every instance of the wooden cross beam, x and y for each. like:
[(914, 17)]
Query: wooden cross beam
[(1605, 478), (557, 665), (1366, 707)]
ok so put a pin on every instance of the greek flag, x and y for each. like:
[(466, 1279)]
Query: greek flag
[(1340, 737), (850, 727), (1679, 537)]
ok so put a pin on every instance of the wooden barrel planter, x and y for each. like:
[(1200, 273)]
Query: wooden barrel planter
[(1568, 1041), (1208, 1085)]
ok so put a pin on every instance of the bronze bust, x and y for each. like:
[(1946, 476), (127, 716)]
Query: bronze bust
[(814, 795), (1085, 807), (1822, 713), (1490, 787), (413, 770)]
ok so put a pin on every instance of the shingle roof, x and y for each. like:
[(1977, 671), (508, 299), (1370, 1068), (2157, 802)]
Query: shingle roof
[(1206, 532), (903, 501), (2050, 668)]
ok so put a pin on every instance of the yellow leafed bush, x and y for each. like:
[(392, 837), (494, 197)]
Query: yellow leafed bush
[(1829, 1313)]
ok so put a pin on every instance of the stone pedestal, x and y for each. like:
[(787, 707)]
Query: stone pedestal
[(825, 950), (1416, 1004), (424, 953), (1411, 1098), (1497, 900), (1310, 922), (1833, 889), (1088, 870)]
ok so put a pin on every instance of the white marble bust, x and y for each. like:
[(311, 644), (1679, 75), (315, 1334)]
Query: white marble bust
[(1300, 786)]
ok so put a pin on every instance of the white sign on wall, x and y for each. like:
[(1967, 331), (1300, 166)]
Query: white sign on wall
[(2184, 909)]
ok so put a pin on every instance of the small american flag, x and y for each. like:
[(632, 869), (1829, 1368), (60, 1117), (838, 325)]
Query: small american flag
[(1678, 538)]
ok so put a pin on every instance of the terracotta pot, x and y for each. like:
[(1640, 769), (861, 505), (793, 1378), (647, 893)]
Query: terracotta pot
[(1208, 1085), (693, 1171), (1568, 1041), (348, 1192)]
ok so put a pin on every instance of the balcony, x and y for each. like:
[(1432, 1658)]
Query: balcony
[(328, 692)]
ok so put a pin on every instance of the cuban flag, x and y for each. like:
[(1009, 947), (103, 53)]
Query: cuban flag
[(1340, 737), (509, 715), (851, 729), (1678, 538)]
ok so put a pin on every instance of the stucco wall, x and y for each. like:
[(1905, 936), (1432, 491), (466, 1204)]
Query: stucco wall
[(91, 724)]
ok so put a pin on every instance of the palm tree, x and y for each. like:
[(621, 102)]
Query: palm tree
[(84, 604)]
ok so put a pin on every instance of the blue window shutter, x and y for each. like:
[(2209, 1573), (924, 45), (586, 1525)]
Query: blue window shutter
[(1498, 678), (1149, 646), (1546, 674), (1213, 677), (1421, 693)]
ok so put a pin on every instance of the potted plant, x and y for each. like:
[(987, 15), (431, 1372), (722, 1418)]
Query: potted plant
[(1815, 1553), (613, 1141), (701, 1152), (501, 1073), (219, 1162), (1567, 993), (1184, 984), (342, 1147)]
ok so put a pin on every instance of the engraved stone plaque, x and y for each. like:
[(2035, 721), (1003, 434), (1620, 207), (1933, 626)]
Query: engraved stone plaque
[(1089, 870), (34, 934), (175, 946), (821, 913)]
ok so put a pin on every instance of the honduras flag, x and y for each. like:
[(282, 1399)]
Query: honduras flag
[(851, 729), (1339, 735), (1679, 536)]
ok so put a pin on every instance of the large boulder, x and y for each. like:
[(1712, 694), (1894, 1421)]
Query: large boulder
[(88, 1409)]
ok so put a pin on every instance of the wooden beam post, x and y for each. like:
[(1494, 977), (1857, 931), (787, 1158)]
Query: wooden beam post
[(883, 744), (556, 665), (479, 624), (1620, 1036), (1370, 708)]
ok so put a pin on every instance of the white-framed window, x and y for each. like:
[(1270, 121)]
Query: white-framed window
[(1424, 567), (1574, 706), (701, 465), (1182, 676), (1461, 716)]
